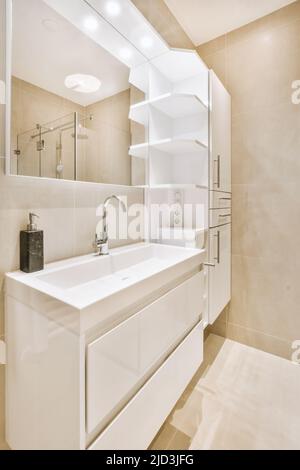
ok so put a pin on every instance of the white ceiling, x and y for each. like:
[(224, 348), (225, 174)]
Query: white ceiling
[(204, 20), (45, 58)]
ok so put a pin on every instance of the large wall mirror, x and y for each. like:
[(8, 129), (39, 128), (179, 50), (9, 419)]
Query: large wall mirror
[(70, 92)]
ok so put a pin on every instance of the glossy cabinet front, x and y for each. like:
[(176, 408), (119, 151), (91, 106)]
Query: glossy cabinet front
[(119, 362), (220, 200), (220, 129), (220, 272)]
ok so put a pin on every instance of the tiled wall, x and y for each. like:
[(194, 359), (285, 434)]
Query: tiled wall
[(258, 64), (107, 158)]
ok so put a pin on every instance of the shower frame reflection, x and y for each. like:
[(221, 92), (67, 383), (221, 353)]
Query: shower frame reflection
[(75, 122)]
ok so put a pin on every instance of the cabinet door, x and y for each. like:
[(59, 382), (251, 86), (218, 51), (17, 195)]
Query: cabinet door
[(220, 127), (220, 274), (119, 361)]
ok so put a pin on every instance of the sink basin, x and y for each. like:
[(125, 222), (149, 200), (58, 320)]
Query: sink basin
[(128, 265), (99, 287)]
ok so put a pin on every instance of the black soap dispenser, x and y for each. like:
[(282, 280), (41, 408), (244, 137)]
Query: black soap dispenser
[(32, 247)]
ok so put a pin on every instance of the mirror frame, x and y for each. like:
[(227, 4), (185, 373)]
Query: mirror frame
[(8, 70), (139, 19)]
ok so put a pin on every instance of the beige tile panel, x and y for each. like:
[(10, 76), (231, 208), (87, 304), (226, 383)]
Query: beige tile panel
[(261, 79), (266, 296), (266, 219), (218, 62), (212, 47), (276, 19), (159, 15), (164, 437), (265, 146), (264, 342), (266, 222)]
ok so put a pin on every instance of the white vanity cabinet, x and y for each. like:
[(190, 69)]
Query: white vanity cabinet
[(99, 350), (220, 130)]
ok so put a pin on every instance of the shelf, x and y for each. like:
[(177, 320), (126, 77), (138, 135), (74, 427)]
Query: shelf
[(176, 146), (139, 151), (177, 186), (179, 65), (170, 146), (174, 105)]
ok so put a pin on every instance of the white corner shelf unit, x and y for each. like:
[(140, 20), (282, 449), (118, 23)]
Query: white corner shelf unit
[(175, 116), (174, 105)]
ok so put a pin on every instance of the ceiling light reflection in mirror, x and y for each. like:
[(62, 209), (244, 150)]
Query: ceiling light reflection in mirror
[(133, 25), (84, 17), (82, 83)]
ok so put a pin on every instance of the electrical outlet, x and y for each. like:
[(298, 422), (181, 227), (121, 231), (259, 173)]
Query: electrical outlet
[(178, 205)]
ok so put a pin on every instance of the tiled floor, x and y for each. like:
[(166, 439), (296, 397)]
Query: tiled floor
[(241, 398)]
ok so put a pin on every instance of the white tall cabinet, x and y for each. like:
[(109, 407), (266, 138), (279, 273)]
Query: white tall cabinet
[(184, 157), (220, 200)]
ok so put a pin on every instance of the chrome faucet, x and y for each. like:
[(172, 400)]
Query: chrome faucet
[(101, 242)]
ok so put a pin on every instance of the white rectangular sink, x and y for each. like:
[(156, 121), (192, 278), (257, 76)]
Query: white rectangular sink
[(105, 285)]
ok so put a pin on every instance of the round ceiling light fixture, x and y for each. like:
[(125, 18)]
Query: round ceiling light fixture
[(50, 25), (113, 8), (147, 42), (91, 23), (82, 83)]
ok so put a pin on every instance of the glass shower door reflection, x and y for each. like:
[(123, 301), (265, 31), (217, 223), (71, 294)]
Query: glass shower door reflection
[(56, 149)]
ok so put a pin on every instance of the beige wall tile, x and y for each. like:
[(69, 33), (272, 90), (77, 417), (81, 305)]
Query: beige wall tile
[(217, 61), (269, 302), (258, 340), (259, 62), (164, 437), (159, 15), (180, 441), (212, 47)]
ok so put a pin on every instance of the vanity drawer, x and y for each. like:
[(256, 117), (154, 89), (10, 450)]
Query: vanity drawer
[(138, 423), (220, 200), (120, 362), (219, 217)]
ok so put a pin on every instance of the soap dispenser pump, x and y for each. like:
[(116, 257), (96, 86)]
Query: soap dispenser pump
[(32, 247)]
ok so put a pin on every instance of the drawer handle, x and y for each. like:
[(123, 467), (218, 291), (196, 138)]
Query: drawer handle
[(225, 215), (210, 265), (225, 199), (218, 237), (218, 161)]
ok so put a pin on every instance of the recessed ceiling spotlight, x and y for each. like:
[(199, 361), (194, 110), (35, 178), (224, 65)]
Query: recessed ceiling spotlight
[(82, 83), (125, 53), (50, 25), (113, 8), (91, 23), (147, 42)]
